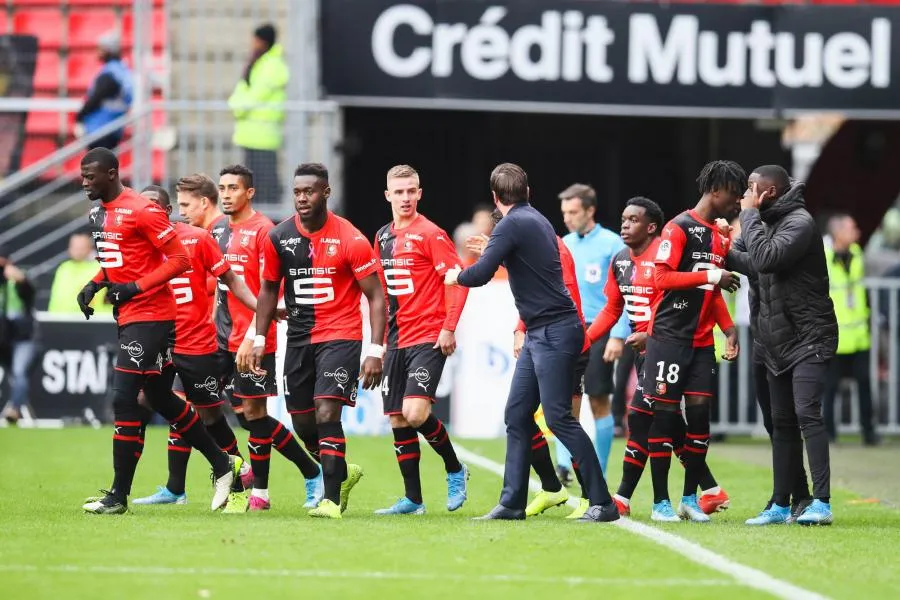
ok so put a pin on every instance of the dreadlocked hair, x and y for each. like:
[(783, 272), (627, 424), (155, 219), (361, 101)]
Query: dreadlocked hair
[(724, 176)]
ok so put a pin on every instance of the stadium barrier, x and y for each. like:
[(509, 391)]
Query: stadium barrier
[(73, 366)]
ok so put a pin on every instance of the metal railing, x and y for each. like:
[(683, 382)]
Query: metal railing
[(738, 412)]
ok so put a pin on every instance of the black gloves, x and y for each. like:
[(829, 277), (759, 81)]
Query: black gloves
[(85, 296), (120, 293)]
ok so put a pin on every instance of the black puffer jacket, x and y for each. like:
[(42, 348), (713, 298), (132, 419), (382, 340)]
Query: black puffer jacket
[(796, 317), (739, 261)]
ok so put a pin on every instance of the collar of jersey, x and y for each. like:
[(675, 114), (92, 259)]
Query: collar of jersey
[(309, 234)]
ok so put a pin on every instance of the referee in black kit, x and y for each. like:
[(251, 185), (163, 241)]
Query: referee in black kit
[(524, 241)]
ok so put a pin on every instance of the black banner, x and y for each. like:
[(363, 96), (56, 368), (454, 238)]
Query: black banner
[(613, 58), (72, 368)]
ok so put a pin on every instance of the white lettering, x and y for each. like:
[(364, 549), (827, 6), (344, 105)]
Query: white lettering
[(109, 255), (649, 56), (54, 379), (312, 271), (397, 262), (399, 282), (383, 31), (313, 290)]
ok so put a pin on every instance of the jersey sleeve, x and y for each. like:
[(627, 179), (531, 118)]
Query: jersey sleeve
[(270, 260), (153, 223), (443, 252), (213, 259), (614, 310), (671, 246), (361, 256)]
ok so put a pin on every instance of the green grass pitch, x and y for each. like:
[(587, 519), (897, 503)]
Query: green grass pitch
[(50, 549)]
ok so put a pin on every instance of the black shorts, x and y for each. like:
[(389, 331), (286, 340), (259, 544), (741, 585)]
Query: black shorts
[(412, 372), (598, 377), (198, 379), (639, 401), (672, 370), (580, 367), (327, 371), (144, 348), (250, 386)]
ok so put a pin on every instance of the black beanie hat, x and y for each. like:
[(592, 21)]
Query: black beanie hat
[(266, 33)]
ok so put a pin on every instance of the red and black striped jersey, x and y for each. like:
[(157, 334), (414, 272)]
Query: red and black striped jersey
[(687, 316), (241, 244), (414, 260), (128, 233), (321, 271)]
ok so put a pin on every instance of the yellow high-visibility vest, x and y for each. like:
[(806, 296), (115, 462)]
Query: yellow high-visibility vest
[(850, 302)]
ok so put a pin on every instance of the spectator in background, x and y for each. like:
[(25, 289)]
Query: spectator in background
[(482, 220), (463, 232), (258, 114), (70, 276), (17, 333), (109, 96), (845, 274)]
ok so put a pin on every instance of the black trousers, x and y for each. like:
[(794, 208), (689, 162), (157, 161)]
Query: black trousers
[(543, 375), (797, 418), (849, 366), (621, 393)]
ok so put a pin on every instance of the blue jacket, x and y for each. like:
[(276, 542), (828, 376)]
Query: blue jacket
[(593, 253), (116, 106)]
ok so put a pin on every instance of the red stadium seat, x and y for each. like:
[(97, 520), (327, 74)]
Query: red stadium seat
[(82, 68), (46, 25), (109, 3), (35, 149), (47, 75), (42, 123), (3, 21), (159, 29), (86, 26), (53, 3)]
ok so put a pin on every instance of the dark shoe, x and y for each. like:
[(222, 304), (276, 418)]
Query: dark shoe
[(501, 513), (870, 438), (798, 506), (601, 513), (565, 476)]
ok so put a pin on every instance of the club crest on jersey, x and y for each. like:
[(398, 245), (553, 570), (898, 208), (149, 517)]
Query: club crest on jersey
[(119, 219), (664, 251), (592, 273), (407, 245), (660, 387), (331, 251), (245, 241), (648, 273)]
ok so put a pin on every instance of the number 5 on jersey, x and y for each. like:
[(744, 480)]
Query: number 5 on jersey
[(399, 282), (306, 292)]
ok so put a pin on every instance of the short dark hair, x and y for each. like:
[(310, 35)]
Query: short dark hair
[(583, 192), (163, 194), (651, 209), (723, 175), (777, 175), (241, 171), (510, 182), (103, 157), (314, 169)]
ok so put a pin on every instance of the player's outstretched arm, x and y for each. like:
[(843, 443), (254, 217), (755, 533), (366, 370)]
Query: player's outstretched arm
[(372, 366), (239, 289)]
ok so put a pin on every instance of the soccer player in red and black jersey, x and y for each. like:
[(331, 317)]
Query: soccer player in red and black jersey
[(242, 240), (680, 358), (139, 253), (422, 317), (631, 287), (326, 265), (194, 355)]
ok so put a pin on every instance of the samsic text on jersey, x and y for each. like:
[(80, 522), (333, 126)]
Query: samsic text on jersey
[(631, 284), (128, 233), (414, 261), (321, 271), (241, 245), (195, 332), (689, 244)]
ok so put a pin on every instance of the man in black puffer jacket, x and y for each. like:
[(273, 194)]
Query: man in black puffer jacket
[(739, 261), (797, 333)]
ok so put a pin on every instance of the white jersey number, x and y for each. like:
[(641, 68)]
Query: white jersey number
[(109, 254), (181, 287), (399, 282), (305, 291), (637, 307), (704, 266)]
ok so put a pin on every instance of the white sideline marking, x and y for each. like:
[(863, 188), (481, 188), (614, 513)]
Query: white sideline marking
[(745, 575), (295, 573)]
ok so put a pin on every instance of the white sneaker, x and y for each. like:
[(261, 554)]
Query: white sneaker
[(223, 484), (689, 510)]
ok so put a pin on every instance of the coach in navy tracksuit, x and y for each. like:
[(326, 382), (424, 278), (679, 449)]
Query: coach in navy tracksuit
[(524, 241)]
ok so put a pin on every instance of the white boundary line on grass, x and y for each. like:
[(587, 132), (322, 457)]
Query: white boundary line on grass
[(745, 575), (384, 575)]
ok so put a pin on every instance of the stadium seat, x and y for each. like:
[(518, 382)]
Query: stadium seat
[(35, 149), (82, 68), (86, 26), (46, 25), (3, 21), (54, 3), (47, 75), (159, 29), (42, 123), (109, 3)]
